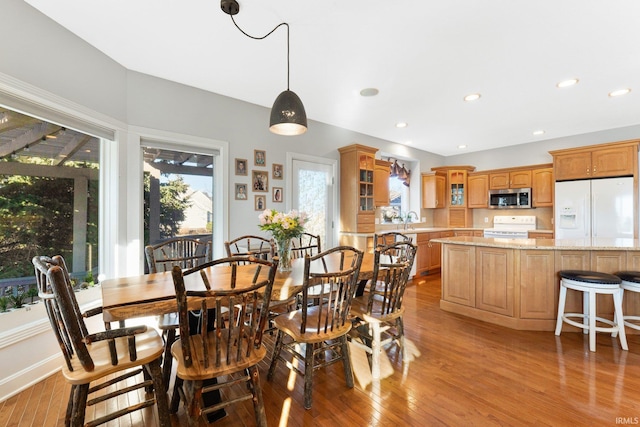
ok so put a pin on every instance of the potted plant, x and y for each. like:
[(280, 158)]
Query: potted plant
[(32, 293), (18, 299), (4, 304)]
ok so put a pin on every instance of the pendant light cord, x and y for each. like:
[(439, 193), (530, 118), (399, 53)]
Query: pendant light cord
[(267, 35)]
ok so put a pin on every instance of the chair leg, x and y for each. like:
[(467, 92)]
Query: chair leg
[(276, 353), (160, 392), (308, 375), (346, 361), (561, 302), (79, 405), (619, 319), (375, 349), (590, 310), (167, 359), (256, 391), (175, 397), (403, 342), (67, 418), (193, 394)]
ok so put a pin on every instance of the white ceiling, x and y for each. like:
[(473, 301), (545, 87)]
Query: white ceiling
[(424, 56)]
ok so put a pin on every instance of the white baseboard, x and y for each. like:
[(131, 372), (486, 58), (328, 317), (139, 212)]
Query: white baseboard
[(27, 377)]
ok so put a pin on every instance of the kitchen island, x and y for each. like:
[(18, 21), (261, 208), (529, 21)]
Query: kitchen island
[(515, 282)]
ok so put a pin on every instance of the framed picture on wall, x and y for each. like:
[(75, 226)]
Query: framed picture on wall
[(241, 191), (241, 167), (260, 202), (276, 171), (277, 194), (260, 180), (259, 158)]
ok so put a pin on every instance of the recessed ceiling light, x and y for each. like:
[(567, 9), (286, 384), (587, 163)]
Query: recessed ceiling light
[(538, 132), (619, 92), (472, 97), (462, 146), (567, 83), (370, 91), (402, 124)]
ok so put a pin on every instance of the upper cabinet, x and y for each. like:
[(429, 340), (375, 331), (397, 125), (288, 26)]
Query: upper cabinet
[(514, 179), (478, 190), (381, 173), (542, 187), (433, 190), (457, 214), (357, 206), (596, 161)]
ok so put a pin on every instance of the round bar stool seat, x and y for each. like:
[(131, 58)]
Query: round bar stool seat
[(592, 283), (630, 283)]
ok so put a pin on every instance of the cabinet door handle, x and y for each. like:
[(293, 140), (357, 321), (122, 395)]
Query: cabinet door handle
[(594, 169)]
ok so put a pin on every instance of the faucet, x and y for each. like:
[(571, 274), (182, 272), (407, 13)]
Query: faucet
[(406, 218)]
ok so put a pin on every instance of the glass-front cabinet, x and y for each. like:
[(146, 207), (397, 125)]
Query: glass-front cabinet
[(457, 183), (357, 189), (457, 213), (366, 164)]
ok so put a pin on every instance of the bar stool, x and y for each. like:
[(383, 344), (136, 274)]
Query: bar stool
[(630, 282), (592, 283)]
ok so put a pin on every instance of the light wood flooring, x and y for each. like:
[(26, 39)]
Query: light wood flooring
[(469, 373)]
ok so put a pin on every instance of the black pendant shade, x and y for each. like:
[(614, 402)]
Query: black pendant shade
[(287, 115)]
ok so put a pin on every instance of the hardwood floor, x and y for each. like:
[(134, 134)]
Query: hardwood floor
[(468, 373)]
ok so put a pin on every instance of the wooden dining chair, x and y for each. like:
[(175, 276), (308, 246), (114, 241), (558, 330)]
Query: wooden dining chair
[(322, 328), (251, 245), (231, 349), (285, 299), (185, 252), (99, 364), (379, 311), (305, 244), (384, 239)]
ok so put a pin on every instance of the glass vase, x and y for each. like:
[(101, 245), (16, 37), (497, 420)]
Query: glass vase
[(284, 254)]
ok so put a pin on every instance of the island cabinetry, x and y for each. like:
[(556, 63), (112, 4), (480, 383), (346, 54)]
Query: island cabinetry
[(460, 285), (382, 170), (514, 179), (596, 161), (538, 285), (434, 186), (478, 190), (542, 185), (495, 280)]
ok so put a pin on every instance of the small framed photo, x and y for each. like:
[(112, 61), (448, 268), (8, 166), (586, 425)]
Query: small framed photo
[(276, 171), (260, 180), (261, 203), (241, 191), (259, 158), (277, 194), (241, 167)]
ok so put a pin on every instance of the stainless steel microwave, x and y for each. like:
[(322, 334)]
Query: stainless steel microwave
[(513, 198)]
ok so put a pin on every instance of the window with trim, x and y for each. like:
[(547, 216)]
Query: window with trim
[(49, 203)]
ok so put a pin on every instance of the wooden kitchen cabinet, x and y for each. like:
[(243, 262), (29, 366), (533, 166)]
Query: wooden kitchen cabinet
[(456, 214), (596, 161), (538, 285), (538, 235), (423, 254), (433, 190), (478, 191), (459, 283), (382, 170), (495, 280), (357, 206), (513, 179), (542, 185)]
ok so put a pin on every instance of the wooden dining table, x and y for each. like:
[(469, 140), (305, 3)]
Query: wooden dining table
[(154, 294)]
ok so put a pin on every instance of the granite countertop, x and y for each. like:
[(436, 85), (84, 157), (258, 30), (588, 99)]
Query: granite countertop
[(546, 244)]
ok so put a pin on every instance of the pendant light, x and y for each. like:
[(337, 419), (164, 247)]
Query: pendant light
[(288, 116)]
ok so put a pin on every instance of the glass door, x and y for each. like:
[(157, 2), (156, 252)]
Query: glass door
[(312, 192)]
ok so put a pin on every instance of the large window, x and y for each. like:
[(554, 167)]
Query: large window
[(49, 182)]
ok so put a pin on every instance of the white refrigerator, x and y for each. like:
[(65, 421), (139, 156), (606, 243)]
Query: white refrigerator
[(594, 208)]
